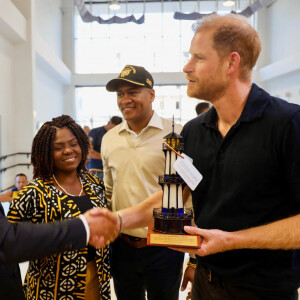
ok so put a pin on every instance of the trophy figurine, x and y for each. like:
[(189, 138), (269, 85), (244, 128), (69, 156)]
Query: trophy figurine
[(171, 217)]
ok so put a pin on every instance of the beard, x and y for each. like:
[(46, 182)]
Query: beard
[(208, 88)]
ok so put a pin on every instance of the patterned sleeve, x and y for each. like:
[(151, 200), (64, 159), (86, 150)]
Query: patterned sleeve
[(27, 206)]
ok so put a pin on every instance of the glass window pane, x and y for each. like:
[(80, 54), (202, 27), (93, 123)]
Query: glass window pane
[(161, 43), (156, 44), (95, 106)]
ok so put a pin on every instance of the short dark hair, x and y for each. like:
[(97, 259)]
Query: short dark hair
[(116, 120), (201, 106), (42, 146), (21, 174)]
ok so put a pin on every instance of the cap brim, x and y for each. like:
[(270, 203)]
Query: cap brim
[(112, 85)]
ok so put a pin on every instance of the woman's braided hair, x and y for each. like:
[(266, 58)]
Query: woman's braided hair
[(42, 146)]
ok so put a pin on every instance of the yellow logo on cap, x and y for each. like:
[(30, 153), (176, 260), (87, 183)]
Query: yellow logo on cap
[(126, 71), (149, 81)]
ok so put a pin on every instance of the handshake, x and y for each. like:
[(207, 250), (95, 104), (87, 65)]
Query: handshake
[(104, 226)]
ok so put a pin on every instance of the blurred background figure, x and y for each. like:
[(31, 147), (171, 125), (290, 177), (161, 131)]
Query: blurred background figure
[(86, 129), (20, 182), (201, 107), (95, 165)]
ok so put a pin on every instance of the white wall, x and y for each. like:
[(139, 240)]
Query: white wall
[(16, 86), (284, 25), (32, 76), (6, 99), (49, 96), (49, 85), (286, 87), (68, 53), (48, 20), (279, 65)]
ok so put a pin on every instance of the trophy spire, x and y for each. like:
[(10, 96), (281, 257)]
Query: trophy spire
[(173, 124)]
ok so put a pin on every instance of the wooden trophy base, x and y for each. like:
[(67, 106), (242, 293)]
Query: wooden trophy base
[(168, 230)]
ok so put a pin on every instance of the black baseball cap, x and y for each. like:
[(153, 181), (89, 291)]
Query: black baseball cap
[(133, 74)]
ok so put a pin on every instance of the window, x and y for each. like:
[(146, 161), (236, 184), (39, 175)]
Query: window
[(160, 44), (95, 106)]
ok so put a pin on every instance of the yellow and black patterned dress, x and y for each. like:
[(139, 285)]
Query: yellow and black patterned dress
[(60, 276)]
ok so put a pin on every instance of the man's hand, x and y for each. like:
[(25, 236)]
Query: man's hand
[(282, 234), (188, 277), (212, 241), (104, 227)]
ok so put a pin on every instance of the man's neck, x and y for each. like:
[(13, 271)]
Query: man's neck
[(137, 127), (230, 106)]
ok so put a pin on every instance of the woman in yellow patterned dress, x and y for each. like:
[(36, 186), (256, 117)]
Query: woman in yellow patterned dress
[(62, 189)]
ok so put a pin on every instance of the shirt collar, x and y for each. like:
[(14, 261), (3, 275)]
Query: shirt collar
[(257, 100), (155, 122)]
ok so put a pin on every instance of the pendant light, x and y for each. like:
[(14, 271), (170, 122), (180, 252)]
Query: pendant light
[(114, 5), (228, 3)]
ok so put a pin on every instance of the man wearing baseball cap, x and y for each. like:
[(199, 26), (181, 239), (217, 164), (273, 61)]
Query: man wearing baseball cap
[(132, 160)]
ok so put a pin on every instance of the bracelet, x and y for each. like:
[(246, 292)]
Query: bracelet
[(189, 264), (121, 221)]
